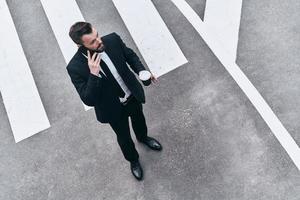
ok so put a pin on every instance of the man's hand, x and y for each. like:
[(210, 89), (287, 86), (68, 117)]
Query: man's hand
[(94, 63), (153, 79)]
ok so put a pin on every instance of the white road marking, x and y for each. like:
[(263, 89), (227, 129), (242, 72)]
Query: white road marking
[(62, 15), (223, 18), (151, 35), (248, 88), (21, 99)]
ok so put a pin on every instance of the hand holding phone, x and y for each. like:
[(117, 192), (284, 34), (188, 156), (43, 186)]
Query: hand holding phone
[(94, 62)]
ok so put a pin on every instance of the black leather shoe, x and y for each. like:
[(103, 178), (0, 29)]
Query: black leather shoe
[(152, 144), (136, 170)]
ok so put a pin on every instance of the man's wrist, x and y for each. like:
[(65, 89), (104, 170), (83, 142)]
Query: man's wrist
[(95, 74)]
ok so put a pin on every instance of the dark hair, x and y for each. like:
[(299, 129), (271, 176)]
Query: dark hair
[(79, 29)]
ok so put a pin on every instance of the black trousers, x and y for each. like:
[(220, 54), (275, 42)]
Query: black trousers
[(134, 109)]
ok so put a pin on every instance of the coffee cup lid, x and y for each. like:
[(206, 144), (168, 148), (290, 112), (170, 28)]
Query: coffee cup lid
[(144, 75)]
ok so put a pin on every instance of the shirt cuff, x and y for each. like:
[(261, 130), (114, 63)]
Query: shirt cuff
[(95, 76)]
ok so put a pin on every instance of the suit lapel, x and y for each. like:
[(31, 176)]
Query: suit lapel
[(113, 56)]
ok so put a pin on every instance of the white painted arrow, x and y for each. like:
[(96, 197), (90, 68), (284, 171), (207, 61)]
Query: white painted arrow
[(223, 18), (21, 99), (247, 87)]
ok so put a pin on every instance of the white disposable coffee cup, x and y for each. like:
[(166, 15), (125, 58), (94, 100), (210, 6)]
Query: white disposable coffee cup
[(145, 77)]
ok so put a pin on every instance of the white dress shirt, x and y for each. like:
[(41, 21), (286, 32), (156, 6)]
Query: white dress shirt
[(117, 76)]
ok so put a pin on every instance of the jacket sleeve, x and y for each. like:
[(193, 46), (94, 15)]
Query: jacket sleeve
[(88, 90), (131, 58)]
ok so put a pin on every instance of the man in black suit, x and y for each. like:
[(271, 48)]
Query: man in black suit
[(102, 78)]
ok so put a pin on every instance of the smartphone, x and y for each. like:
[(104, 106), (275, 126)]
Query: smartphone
[(91, 52)]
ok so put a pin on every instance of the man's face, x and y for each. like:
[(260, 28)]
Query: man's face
[(92, 41)]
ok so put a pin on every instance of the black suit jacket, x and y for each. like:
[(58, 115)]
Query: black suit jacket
[(98, 92)]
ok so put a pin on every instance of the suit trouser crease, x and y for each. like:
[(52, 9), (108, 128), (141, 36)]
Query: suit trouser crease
[(134, 109)]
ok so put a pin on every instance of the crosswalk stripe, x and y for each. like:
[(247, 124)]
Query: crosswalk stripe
[(282, 135), (223, 18), (151, 35), (21, 99), (62, 15)]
